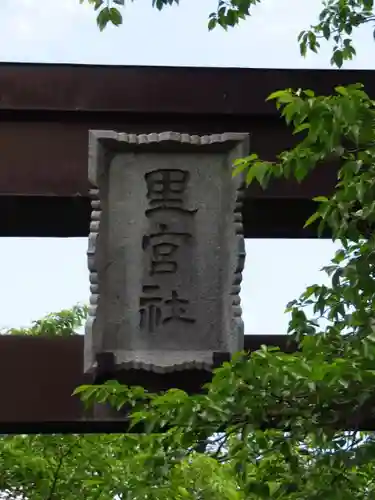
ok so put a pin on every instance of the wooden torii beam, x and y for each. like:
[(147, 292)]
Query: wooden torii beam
[(38, 376)]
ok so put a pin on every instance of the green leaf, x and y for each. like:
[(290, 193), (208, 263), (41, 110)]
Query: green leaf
[(259, 171), (115, 17), (301, 128), (246, 159), (103, 18), (314, 217), (281, 95), (212, 23), (341, 90), (273, 488), (242, 164), (81, 389), (326, 31), (337, 58)]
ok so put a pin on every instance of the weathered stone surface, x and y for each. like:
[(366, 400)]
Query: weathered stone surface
[(166, 250)]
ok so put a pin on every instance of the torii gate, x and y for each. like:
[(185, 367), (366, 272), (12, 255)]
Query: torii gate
[(46, 112)]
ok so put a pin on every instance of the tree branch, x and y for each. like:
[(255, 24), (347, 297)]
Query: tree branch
[(57, 471)]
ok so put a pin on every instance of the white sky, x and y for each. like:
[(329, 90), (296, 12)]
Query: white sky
[(44, 275)]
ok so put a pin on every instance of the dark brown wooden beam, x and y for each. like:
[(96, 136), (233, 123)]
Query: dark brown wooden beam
[(44, 186), (63, 217), (160, 90), (45, 153), (38, 376)]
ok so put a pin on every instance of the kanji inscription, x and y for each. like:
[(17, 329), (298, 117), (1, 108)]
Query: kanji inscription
[(165, 192), (156, 310), (164, 244)]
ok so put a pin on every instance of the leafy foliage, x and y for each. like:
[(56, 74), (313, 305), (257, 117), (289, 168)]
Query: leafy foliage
[(69, 467), (336, 22), (61, 324), (108, 12)]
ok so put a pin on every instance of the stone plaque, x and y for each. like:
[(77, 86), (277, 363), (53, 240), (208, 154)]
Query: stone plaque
[(166, 249)]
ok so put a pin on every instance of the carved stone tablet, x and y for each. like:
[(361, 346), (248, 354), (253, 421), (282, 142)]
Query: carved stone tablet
[(166, 249)]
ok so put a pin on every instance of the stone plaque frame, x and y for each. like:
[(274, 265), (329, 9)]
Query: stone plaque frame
[(103, 146)]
